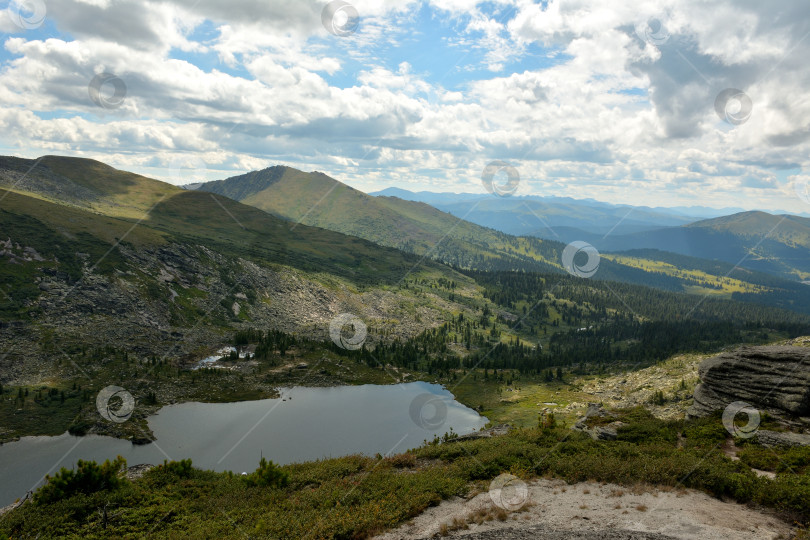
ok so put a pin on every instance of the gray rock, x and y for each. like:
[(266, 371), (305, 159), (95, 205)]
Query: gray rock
[(778, 438), (772, 378), (542, 533), (607, 432), (495, 431)]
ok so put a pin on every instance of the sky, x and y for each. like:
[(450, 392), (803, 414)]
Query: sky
[(665, 103)]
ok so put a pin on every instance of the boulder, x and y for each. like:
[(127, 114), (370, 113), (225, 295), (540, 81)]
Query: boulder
[(606, 432), (774, 378), (770, 439), (495, 431)]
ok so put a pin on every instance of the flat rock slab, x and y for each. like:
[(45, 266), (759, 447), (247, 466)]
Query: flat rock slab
[(775, 438), (541, 533), (591, 510)]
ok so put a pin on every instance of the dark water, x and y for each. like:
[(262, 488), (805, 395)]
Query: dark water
[(305, 424)]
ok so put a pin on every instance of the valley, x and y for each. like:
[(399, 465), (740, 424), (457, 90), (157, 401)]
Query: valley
[(404, 270), (117, 280)]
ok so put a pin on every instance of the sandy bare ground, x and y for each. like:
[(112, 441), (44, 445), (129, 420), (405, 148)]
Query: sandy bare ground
[(593, 507)]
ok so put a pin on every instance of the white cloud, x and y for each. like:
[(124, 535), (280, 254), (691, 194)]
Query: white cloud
[(591, 109)]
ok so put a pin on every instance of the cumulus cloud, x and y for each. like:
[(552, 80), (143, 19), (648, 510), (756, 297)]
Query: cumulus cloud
[(591, 99)]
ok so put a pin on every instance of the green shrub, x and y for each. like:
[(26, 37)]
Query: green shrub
[(642, 427), (180, 469), (402, 461), (704, 432), (89, 477), (79, 428), (758, 457), (794, 460), (547, 421), (268, 474), (788, 492)]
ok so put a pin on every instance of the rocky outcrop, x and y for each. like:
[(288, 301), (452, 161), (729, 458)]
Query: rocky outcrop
[(770, 439), (772, 378), (178, 301), (601, 432), (137, 471), (495, 431)]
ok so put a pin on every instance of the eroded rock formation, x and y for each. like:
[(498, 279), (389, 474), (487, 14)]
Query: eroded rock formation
[(774, 378)]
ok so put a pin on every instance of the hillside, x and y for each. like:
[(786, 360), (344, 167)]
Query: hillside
[(775, 244), (165, 213), (417, 227), (316, 199), (94, 257)]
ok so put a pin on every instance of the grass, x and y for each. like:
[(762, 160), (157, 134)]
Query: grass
[(701, 282), (357, 496), (518, 404)]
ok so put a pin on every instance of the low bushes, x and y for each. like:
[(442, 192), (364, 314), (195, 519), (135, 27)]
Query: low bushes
[(357, 496), (89, 477), (268, 474)]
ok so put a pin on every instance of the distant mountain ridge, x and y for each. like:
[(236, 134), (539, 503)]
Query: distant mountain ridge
[(775, 244), (538, 216), (446, 197)]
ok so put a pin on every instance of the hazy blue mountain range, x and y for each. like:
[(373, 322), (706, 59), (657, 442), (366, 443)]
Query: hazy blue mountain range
[(776, 244), (534, 215)]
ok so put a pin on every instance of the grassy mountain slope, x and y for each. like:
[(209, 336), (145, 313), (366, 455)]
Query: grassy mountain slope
[(713, 278), (318, 200), (116, 201), (778, 244)]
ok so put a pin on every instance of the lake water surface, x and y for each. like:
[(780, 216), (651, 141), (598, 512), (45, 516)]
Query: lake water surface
[(304, 424)]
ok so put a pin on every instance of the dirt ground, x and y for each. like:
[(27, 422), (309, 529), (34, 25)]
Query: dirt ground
[(592, 510)]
